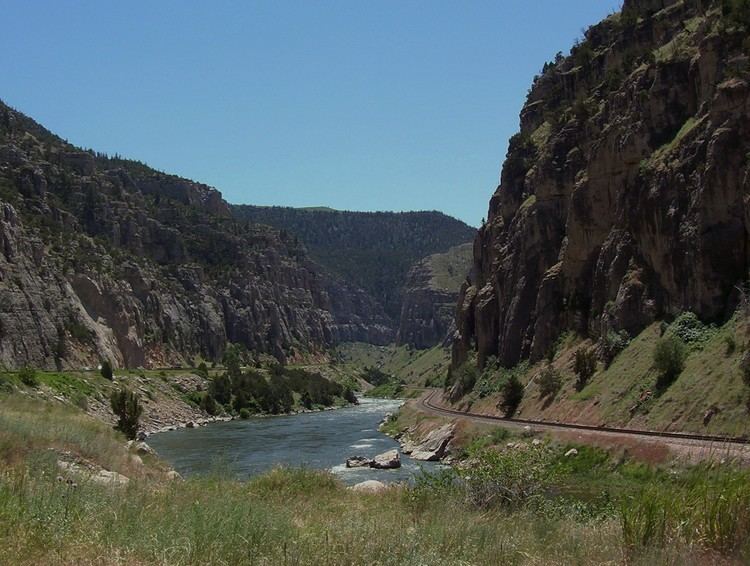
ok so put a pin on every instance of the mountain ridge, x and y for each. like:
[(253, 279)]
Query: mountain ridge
[(620, 192)]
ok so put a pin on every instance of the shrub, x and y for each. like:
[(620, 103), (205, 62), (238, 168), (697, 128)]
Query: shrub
[(244, 413), (375, 376), (584, 366), (730, 345), (466, 377), (209, 404), (231, 361), (27, 375), (509, 477), (550, 381), (669, 359), (220, 388), (689, 328), (106, 370), (202, 370), (512, 395), (349, 396), (612, 344), (127, 408)]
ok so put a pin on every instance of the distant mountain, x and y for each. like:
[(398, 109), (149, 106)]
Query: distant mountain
[(430, 296), (371, 250), (106, 258)]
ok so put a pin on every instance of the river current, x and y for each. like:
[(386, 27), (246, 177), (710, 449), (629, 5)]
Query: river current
[(321, 440)]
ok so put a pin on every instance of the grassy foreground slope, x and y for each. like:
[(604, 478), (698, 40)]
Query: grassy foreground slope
[(526, 505)]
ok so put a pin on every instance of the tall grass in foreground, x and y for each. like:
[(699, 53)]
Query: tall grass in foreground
[(709, 509), (284, 517), (516, 507), (305, 517)]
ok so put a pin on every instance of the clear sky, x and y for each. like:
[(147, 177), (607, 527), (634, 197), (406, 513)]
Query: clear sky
[(386, 105)]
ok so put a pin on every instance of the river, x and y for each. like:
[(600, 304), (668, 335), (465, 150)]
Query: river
[(321, 440)]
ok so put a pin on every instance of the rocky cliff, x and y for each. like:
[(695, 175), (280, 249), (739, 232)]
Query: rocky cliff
[(102, 257), (430, 294), (371, 250), (624, 197)]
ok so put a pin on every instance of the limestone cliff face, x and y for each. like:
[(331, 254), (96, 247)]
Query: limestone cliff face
[(430, 294), (105, 258), (624, 198)]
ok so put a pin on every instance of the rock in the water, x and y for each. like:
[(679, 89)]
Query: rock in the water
[(386, 460), (369, 486), (435, 444), (358, 462)]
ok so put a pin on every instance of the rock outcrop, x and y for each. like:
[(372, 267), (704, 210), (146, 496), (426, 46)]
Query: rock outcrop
[(430, 294), (434, 446), (625, 196), (105, 258)]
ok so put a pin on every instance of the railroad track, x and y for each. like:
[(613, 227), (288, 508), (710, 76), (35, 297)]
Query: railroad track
[(426, 402)]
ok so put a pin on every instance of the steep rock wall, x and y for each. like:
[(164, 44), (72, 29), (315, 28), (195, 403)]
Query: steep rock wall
[(624, 198)]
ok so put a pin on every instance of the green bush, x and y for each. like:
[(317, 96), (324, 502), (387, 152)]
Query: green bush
[(202, 370), (375, 376), (584, 366), (669, 359), (220, 388), (550, 381), (27, 375), (509, 477), (466, 377), (689, 328), (512, 395), (106, 370), (209, 404), (127, 408), (730, 345), (612, 344), (349, 396), (244, 413)]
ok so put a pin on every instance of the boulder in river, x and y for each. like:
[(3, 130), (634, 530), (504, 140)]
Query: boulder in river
[(369, 486), (358, 462), (386, 460)]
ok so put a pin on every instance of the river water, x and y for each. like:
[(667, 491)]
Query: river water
[(322, 440)]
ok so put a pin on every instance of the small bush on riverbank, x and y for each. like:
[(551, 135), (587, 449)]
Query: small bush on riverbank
[(126, 405)]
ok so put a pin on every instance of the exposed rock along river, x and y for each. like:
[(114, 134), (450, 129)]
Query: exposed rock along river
[(320, 440)]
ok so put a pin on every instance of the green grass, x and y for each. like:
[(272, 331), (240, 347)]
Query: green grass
[(414, 367), (626, 392), (514, 506), (449, 269)]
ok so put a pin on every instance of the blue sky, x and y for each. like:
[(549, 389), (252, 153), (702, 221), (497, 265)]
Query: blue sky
[(354, 105)]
